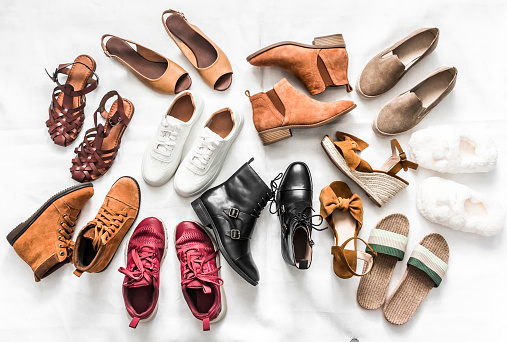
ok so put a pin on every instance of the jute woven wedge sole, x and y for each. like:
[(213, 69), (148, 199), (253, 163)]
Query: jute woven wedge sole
[(428, 264), (273, 135), (325, 42), (380, 187), (388, 238)]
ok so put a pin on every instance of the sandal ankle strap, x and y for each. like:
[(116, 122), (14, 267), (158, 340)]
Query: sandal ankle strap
[(338, 250), (92, 82), (400, 158)]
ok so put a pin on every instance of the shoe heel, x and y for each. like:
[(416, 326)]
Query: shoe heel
[(275, 136), (202, 212), (333, 40), (16, 233)]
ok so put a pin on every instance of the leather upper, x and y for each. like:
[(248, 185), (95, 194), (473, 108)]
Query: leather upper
[(294, 209), (234, 207), (102, 236)]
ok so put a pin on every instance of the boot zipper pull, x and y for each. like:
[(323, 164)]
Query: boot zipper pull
[(251, 160)]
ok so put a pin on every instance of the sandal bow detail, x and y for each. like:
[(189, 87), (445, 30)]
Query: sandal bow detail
[(95, 155), (344, 211), (66, 111)]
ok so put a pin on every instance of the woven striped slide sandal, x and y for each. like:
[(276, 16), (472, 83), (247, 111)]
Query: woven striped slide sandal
[(389, 239), (425, 269)]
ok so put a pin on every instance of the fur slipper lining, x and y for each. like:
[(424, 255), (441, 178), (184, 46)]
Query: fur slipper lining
[(458, 207), (451, 150)]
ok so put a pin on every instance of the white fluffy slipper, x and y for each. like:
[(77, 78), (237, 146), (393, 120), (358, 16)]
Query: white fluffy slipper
[(458, 207), (451, 150)]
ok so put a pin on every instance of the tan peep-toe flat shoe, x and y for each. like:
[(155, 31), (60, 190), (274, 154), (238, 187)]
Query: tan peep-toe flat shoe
[(206, 57), (154, 70)]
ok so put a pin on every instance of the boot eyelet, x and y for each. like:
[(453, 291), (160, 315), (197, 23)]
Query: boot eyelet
[(62, 254), (60, 230), (60, 245), (59, 238), (64, 215), (61, 223)]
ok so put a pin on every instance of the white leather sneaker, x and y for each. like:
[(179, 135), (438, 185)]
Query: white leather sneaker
[(207, 155), (163, 154)]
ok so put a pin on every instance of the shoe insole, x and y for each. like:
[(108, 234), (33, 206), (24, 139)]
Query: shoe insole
[(301, 246), (466, 147), (86, 253), (475, 209), (147, 68), (205, 54), (77, 77), (409, 51), (221, 123), (202, 301), (140, 298), (182, 109), (345, 225), (433, 87)]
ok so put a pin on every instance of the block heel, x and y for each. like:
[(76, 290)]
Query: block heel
[(331, 41), (202, 213), (275, 136)]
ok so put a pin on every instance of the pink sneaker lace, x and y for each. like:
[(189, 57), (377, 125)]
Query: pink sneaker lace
[(144, 267), (193, 261)]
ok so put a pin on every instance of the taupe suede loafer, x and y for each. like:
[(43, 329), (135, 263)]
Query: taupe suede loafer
[(385, 69), (406, 110)]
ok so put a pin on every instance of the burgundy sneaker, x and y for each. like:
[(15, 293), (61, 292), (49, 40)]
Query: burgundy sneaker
[(200, 283), (144, 254)]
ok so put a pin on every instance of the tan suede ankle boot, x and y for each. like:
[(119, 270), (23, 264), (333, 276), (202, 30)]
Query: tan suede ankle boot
[(323, 64), (44, 241), (282, 108), (98, 241)]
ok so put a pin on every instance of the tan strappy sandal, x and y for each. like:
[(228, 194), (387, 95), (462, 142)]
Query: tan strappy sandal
[(206, 57), (96, 154), (343, 212), (66, 112), (154, 70), (380, 185)]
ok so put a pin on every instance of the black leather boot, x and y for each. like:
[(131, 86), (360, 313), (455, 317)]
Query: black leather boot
[(231, 209), (293, 201)]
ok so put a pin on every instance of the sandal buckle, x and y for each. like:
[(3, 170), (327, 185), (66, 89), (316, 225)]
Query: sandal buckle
[(114, 124), (403, 157)]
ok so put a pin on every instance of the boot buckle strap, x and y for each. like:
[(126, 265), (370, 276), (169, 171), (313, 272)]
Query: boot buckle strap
[(234, 213), (235, 234)]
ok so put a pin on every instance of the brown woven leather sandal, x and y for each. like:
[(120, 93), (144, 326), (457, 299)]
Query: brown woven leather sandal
[(206, 57), (95, 155), (66, 112)]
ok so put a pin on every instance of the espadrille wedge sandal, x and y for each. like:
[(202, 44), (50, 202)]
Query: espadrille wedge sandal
[(425, 269), (380, 185), (389, 240), (343, 211)]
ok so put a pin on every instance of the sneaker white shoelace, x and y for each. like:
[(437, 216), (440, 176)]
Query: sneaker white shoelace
[(167, 139), (201, 155)]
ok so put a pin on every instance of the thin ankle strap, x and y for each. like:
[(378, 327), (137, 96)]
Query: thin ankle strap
[(398, 160), (338, 250)]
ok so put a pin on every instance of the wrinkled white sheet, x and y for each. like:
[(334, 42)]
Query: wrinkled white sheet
[(288, 304)]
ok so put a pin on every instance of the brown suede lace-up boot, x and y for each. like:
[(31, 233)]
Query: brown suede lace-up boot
[(44, 241), (98, 241)]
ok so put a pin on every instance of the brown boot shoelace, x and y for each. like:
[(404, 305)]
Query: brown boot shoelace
[(65, 236), (106, 223)]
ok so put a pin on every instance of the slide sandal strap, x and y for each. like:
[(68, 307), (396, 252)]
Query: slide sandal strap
[(429, 263), (386, 242)]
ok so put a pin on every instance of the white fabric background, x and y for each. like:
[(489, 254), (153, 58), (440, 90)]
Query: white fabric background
[(288, 304)]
